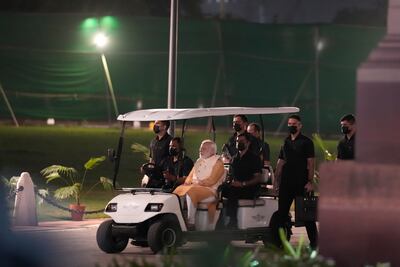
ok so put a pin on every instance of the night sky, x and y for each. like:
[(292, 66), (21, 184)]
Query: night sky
[(361, 12)]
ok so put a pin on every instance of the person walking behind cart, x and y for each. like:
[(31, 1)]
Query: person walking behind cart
[(245, 183), (295, 171), (345, 148), (177, 166)]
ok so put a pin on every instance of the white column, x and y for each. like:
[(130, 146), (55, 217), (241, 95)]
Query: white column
[(25, 202)]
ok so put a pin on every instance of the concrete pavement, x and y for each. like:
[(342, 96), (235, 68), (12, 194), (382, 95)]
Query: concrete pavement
[(59, 225), (52, 243), (94, 223)]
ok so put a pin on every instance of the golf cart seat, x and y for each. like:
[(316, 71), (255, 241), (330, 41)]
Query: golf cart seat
[(251, 202), (202, 215), (203, 206), (266, 185)]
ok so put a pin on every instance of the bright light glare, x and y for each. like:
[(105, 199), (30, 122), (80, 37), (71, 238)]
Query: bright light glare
[(51, 121), (101, 40), (320, 45)]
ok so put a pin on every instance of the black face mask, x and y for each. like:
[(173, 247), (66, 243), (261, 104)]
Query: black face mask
[(345, 129), (292, 129), (237, 127), (241, 146), (173, 151), (156, 129)]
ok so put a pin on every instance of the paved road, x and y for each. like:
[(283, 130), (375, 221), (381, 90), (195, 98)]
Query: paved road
[(78, 247), (73, 244)]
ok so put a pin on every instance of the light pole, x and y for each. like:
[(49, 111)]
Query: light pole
[(172, 64), (319, 45), (101, 41)]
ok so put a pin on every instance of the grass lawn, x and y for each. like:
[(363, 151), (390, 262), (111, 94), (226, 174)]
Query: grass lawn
[(33, 148), (95, 201)]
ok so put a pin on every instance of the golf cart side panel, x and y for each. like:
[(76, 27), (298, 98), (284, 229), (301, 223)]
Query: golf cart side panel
[(131, 208), (257, 212)]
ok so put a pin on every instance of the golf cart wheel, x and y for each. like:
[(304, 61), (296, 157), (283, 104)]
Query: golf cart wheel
[(164, 234), (107, 242)]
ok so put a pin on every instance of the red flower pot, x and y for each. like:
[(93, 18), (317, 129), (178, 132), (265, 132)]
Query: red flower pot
[(77, 216)]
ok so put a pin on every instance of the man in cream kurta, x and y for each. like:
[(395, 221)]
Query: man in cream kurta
[(202, 182)]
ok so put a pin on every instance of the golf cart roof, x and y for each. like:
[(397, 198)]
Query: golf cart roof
[(191, 113)]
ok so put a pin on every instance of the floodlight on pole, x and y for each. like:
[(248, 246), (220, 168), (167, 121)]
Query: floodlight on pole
[(101, 40)]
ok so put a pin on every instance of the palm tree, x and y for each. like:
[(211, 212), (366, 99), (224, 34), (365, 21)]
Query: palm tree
[(74, 185)]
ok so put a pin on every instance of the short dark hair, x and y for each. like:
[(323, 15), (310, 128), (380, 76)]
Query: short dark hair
[(243, 117), (348, 117), (166, 123), (246, 135), (179, 141), (256, 126), (295, 116)]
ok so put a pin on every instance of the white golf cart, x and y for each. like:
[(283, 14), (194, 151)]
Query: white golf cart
[(155, 218)]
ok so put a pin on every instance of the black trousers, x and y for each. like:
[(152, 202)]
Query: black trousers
[(287, 193), (233, 194)]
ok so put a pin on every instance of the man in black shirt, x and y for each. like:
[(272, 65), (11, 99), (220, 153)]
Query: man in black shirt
[(159, 146), (177, 166), (240, 123), (246, 177), (295, 170), (345, 148), (159, 151)]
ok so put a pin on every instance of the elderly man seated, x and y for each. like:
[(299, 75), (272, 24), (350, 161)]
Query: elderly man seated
[(202, 182)]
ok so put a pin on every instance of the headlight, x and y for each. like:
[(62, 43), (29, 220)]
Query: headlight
[(112, 207), (154, 207)]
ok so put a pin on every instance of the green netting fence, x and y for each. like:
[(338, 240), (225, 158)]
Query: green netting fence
[(50, 68)]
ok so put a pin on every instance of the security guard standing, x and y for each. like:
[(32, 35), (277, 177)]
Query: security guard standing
[(345, 148), (159, 152), (159, 146), (295, 171)]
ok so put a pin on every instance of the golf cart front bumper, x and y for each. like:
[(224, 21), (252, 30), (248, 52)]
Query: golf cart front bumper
[(125, 230)]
